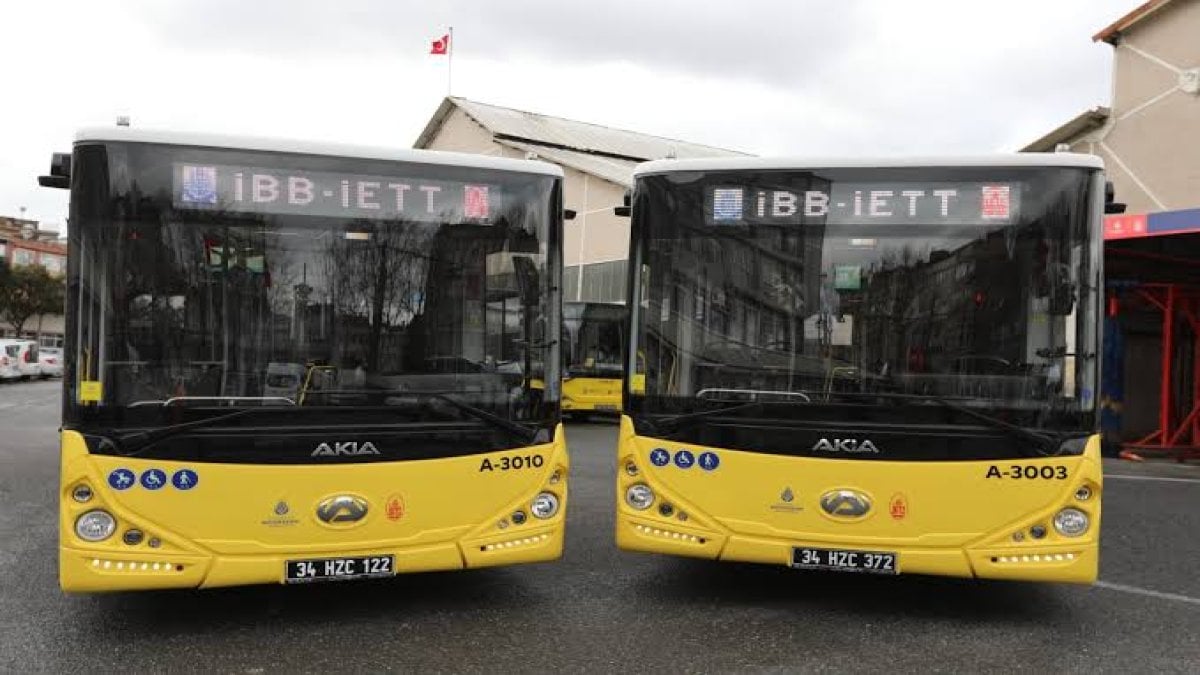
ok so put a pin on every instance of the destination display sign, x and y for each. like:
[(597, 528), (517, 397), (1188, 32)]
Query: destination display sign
[(866, 204), (242, 189)]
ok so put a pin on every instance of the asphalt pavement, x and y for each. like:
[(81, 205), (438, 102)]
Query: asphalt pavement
[(602, 610)]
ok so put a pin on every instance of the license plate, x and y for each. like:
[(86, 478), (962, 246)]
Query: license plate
[(337, 569), (841, 560)]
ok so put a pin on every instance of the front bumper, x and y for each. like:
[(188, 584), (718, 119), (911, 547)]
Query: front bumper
[(1027, 561), (82, 570)]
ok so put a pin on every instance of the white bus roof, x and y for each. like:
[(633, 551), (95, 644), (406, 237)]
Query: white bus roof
[(1020, 159), (223, 141)]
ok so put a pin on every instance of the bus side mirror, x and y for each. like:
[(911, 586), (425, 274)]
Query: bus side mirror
[(626, 206), (569, 214), (1111, 206), (60, 172)]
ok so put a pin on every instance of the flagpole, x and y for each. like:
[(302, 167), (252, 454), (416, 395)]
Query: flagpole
[(450, 63)]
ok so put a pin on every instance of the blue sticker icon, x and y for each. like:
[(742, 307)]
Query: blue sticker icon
[(709, 461), (684, 459), (154, 479), (660, 457), (199, 185), (121, 479), (184, 479)]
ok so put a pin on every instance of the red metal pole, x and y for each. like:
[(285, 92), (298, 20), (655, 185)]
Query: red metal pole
[(1195, 324), (1164, 412)]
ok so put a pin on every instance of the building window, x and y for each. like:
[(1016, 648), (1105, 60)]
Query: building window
[(599, 282), (604, 282), (52, 263), (571, 283), (21, 256)]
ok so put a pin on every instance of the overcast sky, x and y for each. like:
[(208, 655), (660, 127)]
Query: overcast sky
[(767, 77)]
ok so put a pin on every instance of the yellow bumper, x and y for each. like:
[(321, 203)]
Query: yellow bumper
[(239, 524), (963, 519), (83, 570)]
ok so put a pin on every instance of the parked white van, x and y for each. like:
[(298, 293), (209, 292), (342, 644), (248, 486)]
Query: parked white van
[(284, 380), (19, 360)]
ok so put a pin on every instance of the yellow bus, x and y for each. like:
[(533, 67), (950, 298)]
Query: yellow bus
[(870, 366), (592, 335), (293, 362)]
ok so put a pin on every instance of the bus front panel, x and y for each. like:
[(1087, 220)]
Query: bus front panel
[(873, 370), (292, 368)]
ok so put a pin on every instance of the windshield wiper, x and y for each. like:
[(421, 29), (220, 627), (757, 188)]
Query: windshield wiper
[(525, 433), (1046, 445), (675, 422), (137, 443)]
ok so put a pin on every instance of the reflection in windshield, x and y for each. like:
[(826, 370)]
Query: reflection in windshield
[(992, 315), (291, 312)]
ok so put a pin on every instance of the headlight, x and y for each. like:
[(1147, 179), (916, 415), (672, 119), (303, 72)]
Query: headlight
[(544, 506), (95, 526), (639, 496), (1071, 522)]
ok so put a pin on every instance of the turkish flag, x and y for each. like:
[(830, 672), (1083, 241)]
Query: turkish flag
[(441, 46)]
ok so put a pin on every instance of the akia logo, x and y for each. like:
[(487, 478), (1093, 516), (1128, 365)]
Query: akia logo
[(345, 448), (852, 445)]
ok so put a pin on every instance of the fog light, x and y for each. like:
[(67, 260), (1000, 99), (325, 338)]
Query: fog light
[(518, 517), (81, 493), (639, 496), (1071, 522), (95, 526), (544, 506), (631, 469), (1084, 493), (132, 537), (1037, 531), (666, 510)]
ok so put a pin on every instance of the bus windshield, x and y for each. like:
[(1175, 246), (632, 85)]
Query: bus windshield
[(865, 298), (399, 292), (593, 333)]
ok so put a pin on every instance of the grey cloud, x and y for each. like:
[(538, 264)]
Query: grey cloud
[(777, 42), (924, 75)]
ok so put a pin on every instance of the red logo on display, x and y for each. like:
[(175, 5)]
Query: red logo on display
[(995, 202), (475, 201), (899, 507)]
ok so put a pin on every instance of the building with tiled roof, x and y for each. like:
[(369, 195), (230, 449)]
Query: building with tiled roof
[(598, 165)]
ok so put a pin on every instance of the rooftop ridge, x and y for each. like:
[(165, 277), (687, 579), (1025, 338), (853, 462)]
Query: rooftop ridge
[(465, 104)]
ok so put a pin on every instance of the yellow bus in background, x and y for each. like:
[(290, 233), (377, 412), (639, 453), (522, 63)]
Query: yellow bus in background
[(871, 366), (592, 334), (293, 362)]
